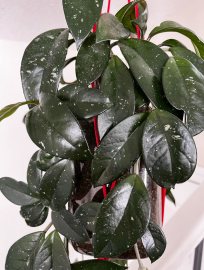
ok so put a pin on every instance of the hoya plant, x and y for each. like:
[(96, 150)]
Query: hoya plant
[(122, 114)]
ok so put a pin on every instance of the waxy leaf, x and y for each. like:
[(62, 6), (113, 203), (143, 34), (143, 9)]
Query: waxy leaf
[(52, 254), (67, 225), (110, 28), (183, 79), (45, 160), (91, 60), (169, 150), (154, 241), (34, 175), (55, 64), (39, 220), (34, 60), (170, 196), (96, 265), (172, 43), (86, 214), (190, 56), (146, 62), (10, 109), (33, 211), (22, 253), (121, 12), (52, 130), (17, 192), (81, 17), (84, 102), (57, 185), (170, 26), (118, 150), (117, 84), (122, 219)]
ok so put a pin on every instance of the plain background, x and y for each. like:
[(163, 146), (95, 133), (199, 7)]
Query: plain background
[(23, 20)]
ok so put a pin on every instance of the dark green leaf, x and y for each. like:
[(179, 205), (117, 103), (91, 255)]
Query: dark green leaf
[(183, 79), (91, 60), (110, 28), (22, 253), (169, 150), (81, 17), (45, 160), (84, 102), (86, 214), (57, 185), (96, 265), (121, 12), (190, 56), (196, 49), (154, 241), (170, 196), (31, 212), (10, 109), (54, 65), (17, 192), (146, 62), (117, 84), (70, 42), (122, 219), (67, 225), (172, 43), (39, 220), (34, 60), (120, 262), (52, 130), (52, 254), (34, 175), (170, 26), (118, 151)]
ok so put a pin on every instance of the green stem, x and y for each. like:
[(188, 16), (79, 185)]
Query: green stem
[(48, 227)]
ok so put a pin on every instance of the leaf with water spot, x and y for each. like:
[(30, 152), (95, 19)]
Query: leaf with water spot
[(184, 88), (172, 43), (39, 220), (22, 253), (45, 160), (169, 150), (97, 264), (34, 175), (122, 219), (91, 60), (32, 211), (118, 150)]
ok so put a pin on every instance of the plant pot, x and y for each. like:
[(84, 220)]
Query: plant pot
[(84, 192)]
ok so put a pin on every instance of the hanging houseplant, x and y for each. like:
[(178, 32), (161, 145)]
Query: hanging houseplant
[(142, 117)]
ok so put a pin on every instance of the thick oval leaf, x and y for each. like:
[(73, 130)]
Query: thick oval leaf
[(45, 160), (33, 62), (110, 28), (81, 17), (122, 219), (52, 130), (34, 175), (86, 214), (183, 79), (55, 64), (170, 196), (52, 254), (10, 109), (57, 185), (169, 150), (119, 150), (121, 12), (96, 265), (31, 212), (154, 241), (67, 225), (172, 43), (117, 84), (146, 62), (84, 102), (17, 192), (190, 56), (91, 60), (21, 255), (39, 220), (170, 26)]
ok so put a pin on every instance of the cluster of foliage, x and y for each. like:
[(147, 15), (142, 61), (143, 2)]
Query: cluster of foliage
[(169, 88)]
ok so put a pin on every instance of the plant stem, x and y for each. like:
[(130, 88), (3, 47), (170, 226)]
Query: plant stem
[(48, 227), (141, 266)]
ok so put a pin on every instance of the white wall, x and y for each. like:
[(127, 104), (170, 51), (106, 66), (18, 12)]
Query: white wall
[(21, 21)]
